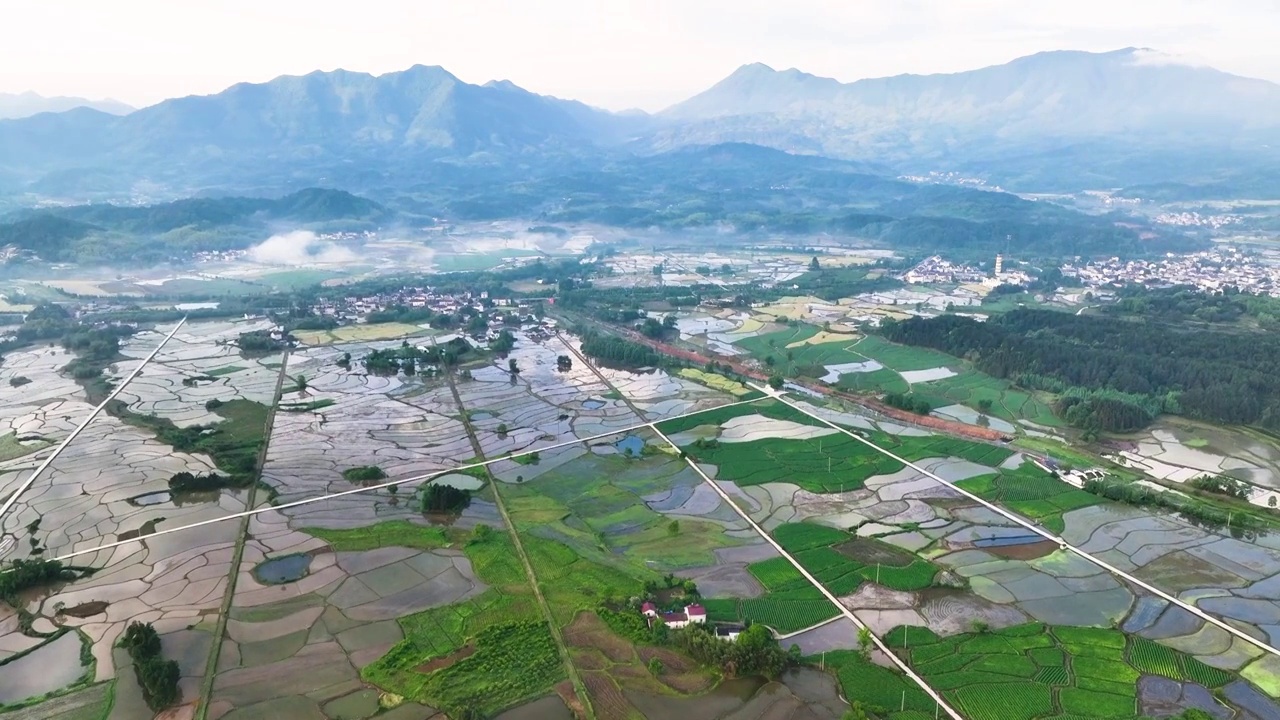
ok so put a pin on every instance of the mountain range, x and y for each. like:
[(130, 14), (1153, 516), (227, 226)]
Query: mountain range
[(1048, 122), (26, 104)]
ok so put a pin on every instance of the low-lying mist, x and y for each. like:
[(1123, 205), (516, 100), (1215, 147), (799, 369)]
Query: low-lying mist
[(299, 247)]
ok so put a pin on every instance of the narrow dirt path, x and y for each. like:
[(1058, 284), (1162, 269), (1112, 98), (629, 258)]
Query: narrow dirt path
[(579, 688), (215, 648)]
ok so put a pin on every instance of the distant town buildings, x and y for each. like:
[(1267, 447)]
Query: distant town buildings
[(1209, 271), (934, 270), (1195, 219)]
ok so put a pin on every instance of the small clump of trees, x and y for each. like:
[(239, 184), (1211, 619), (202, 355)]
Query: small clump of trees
[(909, 402), (21, 575), (1222, 485), (260, 343), (442, 498), (364, 473), (191, 482), (157, 677)]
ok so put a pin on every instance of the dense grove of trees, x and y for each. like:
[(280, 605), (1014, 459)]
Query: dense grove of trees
[(619, 351), (657, 329), (259, 343), (189, 482), (364, 474), (909, 402), (157, 677), (96, 345), (1182, 304), (22, 575), (409, 358), (755, 652), (1222, 485), (442, 498), (1116, 374)]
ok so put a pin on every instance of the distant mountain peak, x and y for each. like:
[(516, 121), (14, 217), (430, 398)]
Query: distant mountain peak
[(28, 103)]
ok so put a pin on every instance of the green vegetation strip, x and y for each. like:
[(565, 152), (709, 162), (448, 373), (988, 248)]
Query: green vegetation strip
[(827, 464), (489, 653), (392, 533), (1025, 672)]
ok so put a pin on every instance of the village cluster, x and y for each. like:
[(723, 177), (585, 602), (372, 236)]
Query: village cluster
[(1209, 271)]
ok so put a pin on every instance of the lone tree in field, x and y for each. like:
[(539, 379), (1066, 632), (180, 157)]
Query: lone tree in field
[(775, 382), (512, 366), (813, 264), (300, 384)]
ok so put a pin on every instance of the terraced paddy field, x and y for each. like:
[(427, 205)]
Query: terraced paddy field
[(363, 606), (405, 426), (113, 481)]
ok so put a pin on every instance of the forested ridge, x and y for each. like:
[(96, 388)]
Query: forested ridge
[(1115, 374)]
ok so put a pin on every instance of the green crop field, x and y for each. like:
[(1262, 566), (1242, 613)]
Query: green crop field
[(1007, 403), (1031, 492), (968, 387), (717, 416), (391, 533), (785, 614), (835, 462), (1036, 671), (883, 380), (878, 688), (512, 662), (913, 448), (841, 573), (795, 537), (902, 357), (775, 344), (832, 463), (595, 504), (501, 672), (790, 602)]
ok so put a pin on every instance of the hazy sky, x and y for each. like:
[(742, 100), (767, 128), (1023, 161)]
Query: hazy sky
[(611, 53)]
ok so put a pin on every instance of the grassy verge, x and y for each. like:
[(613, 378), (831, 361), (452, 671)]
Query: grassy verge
[(234, 444), (392, 533)]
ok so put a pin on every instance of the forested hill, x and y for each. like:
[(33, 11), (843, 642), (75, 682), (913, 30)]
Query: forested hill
[(116, 233), (1115, 374)]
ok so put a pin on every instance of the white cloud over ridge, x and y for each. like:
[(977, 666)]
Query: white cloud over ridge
[(300, 247)]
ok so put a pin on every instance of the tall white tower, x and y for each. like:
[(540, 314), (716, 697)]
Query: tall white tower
[(999, 265)]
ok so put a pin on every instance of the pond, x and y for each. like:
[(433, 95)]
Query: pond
[(179, 499), (592, 404), (277, 571), (49, 667), (459, 481), (634, 443)]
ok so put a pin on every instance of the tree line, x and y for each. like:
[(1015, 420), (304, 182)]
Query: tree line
[(619, 351), (1117, 374)]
